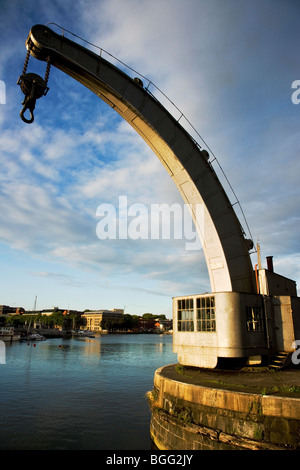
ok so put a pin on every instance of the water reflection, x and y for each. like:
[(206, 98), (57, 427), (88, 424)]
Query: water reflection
[(80, 393)]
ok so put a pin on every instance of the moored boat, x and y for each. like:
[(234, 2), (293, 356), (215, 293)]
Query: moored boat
[(82, 333), (35, 337), (8, 334)]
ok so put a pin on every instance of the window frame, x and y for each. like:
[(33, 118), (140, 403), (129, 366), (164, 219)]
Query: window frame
[(185, 315), (206, 314), (255, 319)]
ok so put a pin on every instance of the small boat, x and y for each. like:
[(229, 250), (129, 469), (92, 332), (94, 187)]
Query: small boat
[(35, 337), (7, 334), (89, 334), (83, 333)]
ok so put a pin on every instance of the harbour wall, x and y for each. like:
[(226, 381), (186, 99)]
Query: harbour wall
[(187, 416)]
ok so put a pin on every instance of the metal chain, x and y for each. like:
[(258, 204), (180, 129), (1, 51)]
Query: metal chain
[(47, 70), (27, 58)]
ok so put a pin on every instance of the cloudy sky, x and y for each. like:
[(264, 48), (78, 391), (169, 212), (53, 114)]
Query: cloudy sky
[(228, 65)]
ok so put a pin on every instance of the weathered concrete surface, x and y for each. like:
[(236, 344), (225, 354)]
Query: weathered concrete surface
[(213, 409)]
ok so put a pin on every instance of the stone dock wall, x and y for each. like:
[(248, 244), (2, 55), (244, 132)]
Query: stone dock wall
[(195, 417)]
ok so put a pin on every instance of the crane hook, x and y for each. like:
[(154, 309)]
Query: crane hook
[(33, 86), (29, 103)]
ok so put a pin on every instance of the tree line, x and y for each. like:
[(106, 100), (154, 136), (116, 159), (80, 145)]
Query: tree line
[(56, 319)]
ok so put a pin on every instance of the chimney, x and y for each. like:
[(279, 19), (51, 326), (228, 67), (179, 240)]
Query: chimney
[(270, 264)]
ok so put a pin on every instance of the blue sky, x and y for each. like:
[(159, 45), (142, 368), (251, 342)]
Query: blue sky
[(228, 65)]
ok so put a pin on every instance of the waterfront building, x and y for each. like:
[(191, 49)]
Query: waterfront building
[(7, 310), (165, 325), (99, 320), (50, 311)]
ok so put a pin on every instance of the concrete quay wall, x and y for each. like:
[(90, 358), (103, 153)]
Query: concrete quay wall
[(188, 416)]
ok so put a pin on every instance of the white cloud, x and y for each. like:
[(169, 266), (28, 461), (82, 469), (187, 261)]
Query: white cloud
[(227, 66), (225, 72)]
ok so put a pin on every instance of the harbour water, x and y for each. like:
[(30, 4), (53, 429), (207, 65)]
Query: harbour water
[(80, 393)]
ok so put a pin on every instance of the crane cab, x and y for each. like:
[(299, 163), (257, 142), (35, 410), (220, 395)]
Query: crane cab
[(237, 326)]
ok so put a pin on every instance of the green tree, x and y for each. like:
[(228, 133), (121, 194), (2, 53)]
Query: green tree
[(151, 316)]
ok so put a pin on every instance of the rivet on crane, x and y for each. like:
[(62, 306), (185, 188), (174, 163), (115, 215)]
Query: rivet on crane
[(33, 86)]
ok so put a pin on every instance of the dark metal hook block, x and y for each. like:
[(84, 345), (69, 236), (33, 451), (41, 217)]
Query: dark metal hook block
[(33, 86)]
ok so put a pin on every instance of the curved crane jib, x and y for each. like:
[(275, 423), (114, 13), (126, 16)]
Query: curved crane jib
[(224, 245)]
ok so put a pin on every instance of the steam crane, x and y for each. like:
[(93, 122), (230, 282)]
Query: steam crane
[(240, 319)]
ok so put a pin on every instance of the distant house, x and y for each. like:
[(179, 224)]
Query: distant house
[(164, 325), (147, 325)]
